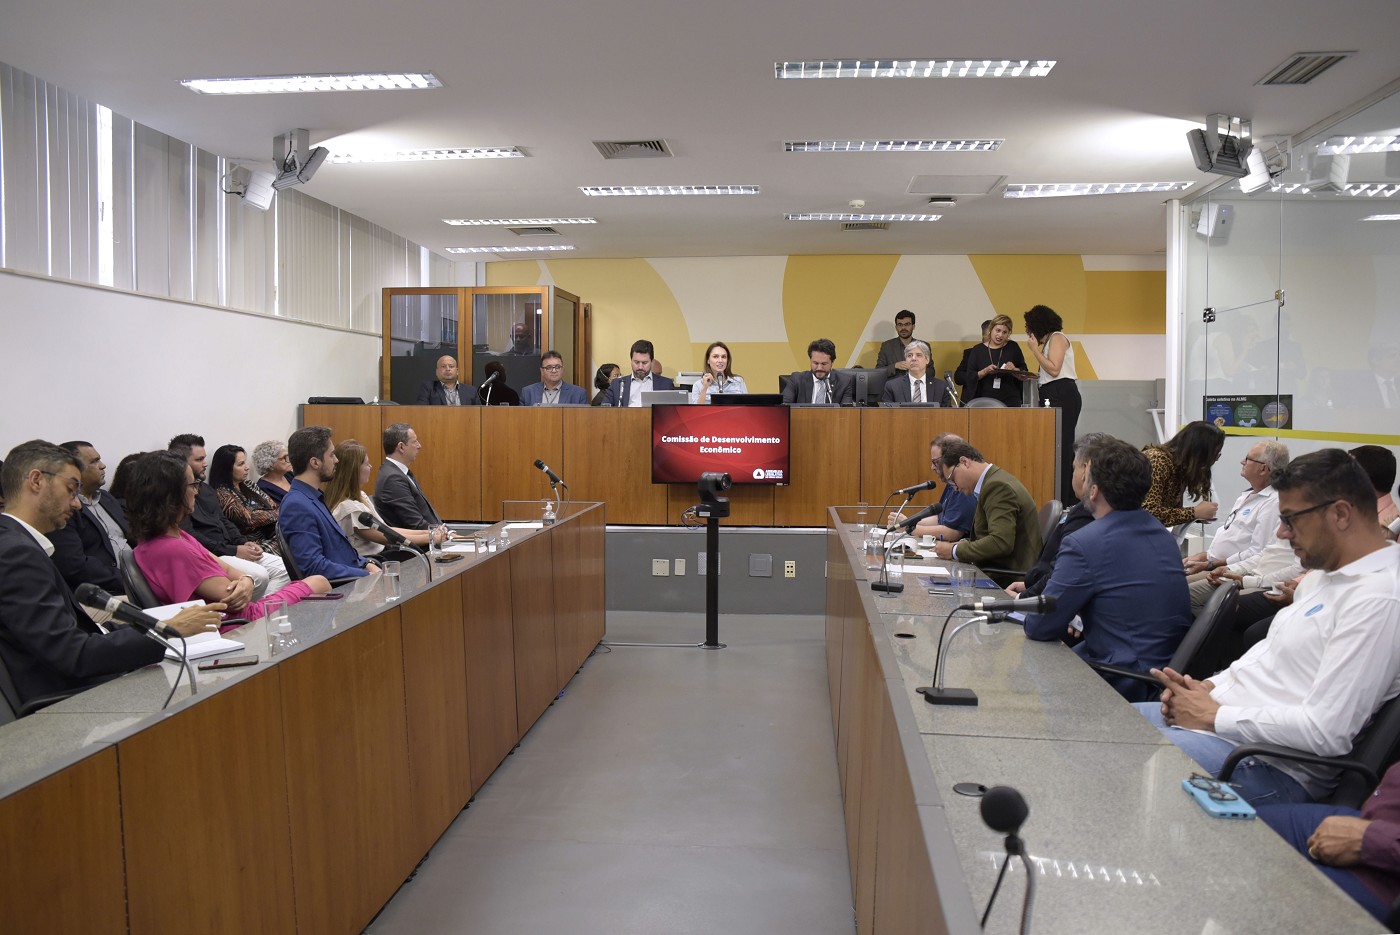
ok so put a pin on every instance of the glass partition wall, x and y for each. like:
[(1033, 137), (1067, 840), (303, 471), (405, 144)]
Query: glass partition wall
[(1290, 309), (478, 326)]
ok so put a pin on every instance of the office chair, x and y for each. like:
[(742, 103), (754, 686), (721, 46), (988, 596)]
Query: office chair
[(12, 709), (985, 402), (293, 569), (1050, 514), (1198, 643), (138, 589)]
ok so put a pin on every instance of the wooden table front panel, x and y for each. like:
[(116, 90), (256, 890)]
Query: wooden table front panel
[(488, 640), (607, 458), (204, 813), (512, 438), (536, 659), (580, 608), (61, 865), (435, 689), (347, 775), (362, 423), (448, 467), (1021, 441), (894, 449), (825, 466)]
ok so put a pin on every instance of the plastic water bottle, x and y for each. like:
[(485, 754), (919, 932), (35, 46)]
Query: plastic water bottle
[(549, 516), (505, 538)]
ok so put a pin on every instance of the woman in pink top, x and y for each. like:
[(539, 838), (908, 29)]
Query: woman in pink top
[(160, 495)]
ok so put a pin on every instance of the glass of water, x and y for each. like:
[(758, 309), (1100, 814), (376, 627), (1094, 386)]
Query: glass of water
[(391, 580), (861, 509)]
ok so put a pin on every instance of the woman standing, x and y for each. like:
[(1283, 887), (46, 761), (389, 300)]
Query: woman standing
[(718, 379), (1058, 384), (1182, 465), (346, 499), (991, 367), (274, 470), (247, 507)]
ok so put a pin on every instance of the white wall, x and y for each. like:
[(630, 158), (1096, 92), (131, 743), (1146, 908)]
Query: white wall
[(127, 371)]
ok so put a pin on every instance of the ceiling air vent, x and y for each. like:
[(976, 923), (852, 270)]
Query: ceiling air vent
[(533, 231), (1302, 67), (865, 226), (633, 149)]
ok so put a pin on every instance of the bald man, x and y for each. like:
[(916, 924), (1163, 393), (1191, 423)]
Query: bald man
[(445, 390)]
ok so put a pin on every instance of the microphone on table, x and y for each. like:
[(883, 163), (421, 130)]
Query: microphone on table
[(388, 532), (1004, 810), (553, 478), (491, 379), (926, 485), (111, 608), (933, 509), (1039, 604), (952, 389)]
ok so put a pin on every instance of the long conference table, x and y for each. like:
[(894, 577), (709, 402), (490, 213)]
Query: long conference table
[(1116, 843), (298, 794), (475, 457)]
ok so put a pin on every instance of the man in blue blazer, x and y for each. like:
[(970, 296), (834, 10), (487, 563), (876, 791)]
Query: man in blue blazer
[(552, 390), (917, 384), (835, 389), (317, 543), (628, 390), (1121, 575)]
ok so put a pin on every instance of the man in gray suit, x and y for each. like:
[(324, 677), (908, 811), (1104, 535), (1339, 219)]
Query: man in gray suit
[(819, 384), (397, 495)]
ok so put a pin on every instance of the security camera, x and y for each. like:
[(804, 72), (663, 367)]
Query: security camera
[(712, 483)]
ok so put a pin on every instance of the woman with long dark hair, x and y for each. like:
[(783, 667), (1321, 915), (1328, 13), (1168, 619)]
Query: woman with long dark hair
[(249, 508), (1059, 385), (1182, 465), (160, 494), (718, 378)]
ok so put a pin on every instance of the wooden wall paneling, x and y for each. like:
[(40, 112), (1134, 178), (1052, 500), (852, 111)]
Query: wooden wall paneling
[(61, 866), (208, 789), (825, 466), (435, 692), (449, 466), (347, 775), (607, 458), (749, 504), (488, 638), (361, 423), (579, 605), (1022, 441), (536, 660), (512, 438), (894, 449)]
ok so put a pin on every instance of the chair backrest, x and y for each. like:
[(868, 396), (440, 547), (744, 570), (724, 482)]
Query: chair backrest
[(9, 696), (985, 402), (1199, 644), (138, 589), (1378, 746), (288, 559), (1050, 515)]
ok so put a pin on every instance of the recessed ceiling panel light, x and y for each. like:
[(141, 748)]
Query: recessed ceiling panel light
[(605, 190), (1382, 217), (306, 84), (1346, 145), (516, 222), (914, 68), (893, 146), (431, 155), (541, 248), (861, 217), (1371, 189), (1070, 189)]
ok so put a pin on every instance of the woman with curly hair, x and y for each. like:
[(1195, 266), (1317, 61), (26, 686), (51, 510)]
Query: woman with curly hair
[(1059, 385)]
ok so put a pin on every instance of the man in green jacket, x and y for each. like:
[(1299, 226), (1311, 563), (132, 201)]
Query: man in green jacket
[(1005, 526)]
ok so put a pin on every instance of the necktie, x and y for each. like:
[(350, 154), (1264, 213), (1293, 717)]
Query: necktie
[(918, 391), (819, 394)]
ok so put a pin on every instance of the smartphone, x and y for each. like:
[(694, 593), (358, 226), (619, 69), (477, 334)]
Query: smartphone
[(228, 662), (329, 596), (450, 557), (1224, 803)]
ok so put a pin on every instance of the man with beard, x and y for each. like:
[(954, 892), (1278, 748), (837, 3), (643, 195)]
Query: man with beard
[(317, 543)]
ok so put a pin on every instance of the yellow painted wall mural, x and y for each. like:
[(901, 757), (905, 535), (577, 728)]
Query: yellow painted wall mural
[(768, 308)]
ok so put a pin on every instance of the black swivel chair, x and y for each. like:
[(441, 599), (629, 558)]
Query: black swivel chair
[(12, 709), (138, 589), (1198, 644), (984, 402), (293, 569), (1047, 517)]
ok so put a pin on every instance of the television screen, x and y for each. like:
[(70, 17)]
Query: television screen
[(749, 443)]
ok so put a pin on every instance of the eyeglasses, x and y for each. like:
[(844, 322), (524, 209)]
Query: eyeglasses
[(1217, 790), (1255, 460), (73, 485), (1286, 519), (552, 367), (193, 485)]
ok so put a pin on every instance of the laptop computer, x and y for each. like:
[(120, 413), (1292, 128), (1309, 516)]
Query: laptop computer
[(665, 397)]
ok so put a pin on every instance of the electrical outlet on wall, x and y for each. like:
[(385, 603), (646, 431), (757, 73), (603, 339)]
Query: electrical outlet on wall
[(680, 567), (660, 568), (789, 569)]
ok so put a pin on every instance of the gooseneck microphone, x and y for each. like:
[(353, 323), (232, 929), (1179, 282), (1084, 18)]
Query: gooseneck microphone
[(491, 379), (553, 478), (388, 532), (917, 488), (933, 509), (111, 608), (1004, 810), (1039, 604)]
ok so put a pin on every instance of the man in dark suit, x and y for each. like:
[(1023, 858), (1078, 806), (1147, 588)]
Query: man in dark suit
[(552, 390), (891, 356), (48, 644), (917, 385), (1121, 575), (82, 548), (820, 384), (397, 495), (628, 390), (1005, 525), (1075, 517), (445, 390)]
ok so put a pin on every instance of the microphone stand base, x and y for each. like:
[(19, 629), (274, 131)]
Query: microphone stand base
[(949, 696), (889, 587)]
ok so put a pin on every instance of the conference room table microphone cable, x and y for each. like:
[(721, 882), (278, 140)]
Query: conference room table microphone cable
[(1004, 810), (396, 539), (984, 611), (106, 608)]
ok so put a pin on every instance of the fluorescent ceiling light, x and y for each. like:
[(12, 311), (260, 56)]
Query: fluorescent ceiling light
[(602, 190), (516, 222), (1382, 217), (893, 146), (914, 68), (432, 155), (1345, 145), (305, 84), (1069, 189), (861, 217), (538, 249), (1371, 189)]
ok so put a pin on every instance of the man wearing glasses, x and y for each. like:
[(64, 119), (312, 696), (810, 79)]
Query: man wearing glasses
[(1331, 658), (1248, 529), (552, 390), (1005, 525), (954, 519)]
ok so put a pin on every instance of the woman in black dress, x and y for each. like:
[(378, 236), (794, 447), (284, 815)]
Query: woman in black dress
[(991, 367)]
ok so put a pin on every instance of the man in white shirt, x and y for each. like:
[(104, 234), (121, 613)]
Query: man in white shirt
[(1331, 658), (628, 390), (1250, 525)]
